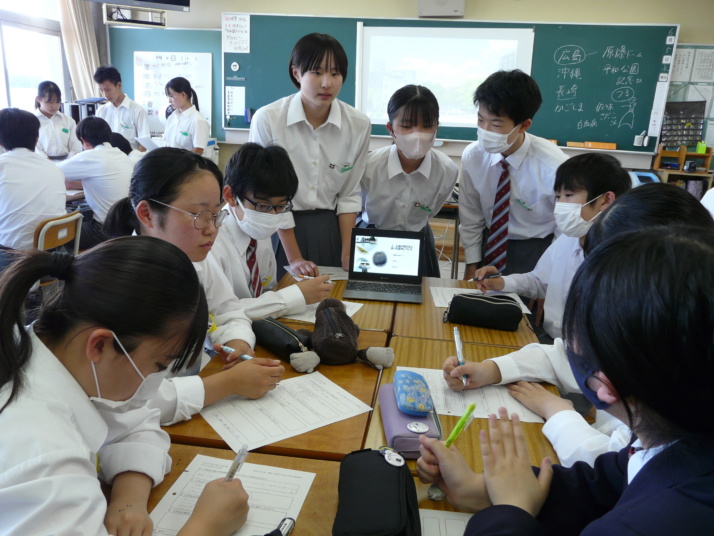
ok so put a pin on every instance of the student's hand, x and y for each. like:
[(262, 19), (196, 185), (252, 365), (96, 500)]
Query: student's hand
[(469, 271), (127, 513), (315, 290), (446, 468), (537, 399), (478, 374), (255, 377), (239, 346), (495, 283), (507, 470), (302, 267), (221, 509)]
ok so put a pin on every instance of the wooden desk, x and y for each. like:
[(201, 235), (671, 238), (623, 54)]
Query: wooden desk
[(330, 442), (318, 512), (426, 321)]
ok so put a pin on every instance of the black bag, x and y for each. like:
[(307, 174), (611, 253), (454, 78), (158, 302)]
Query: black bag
[(335, 335), (493, 312), (376, 497), (279, 339)]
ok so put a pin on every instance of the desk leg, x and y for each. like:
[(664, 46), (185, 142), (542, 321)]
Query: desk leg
[(455, 254)]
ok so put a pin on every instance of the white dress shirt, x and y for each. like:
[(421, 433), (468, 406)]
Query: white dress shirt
[(550, 279), (229, 250), (58, 135), (708, 201), (31, 190), (532, 170), (329, 160), (187, 130), (105, 173), (399, 201), (128, 119), (54, 446)]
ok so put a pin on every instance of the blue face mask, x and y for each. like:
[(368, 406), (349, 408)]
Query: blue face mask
[(582, 380)]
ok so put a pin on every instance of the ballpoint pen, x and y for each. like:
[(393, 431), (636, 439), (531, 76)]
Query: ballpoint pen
[(460, 353), (229, 350), (462, 425), (237, 463), (487, 276)]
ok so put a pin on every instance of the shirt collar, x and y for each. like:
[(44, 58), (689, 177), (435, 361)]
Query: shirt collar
[(189, 111), (394, 166), (515, 159), (296, 112), (640, 457), (124, 103)]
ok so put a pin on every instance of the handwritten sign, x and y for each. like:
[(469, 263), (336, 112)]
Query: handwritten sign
[(236, 32)]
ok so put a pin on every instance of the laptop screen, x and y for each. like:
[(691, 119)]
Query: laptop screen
[(383, 255)]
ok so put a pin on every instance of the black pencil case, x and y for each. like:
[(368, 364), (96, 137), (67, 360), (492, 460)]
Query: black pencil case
[(492, 312), (279, 339)]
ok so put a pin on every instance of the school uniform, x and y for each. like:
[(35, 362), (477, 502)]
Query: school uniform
[(708, 201), (329, 161), (187, 130), (56, 444), (658, 492), (31, 190), (406, 202), (532, 200), (58, 136), (128, 119), (550, 279), (230, 251)]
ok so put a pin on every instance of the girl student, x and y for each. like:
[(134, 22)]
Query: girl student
[(82, 357), (175, 195), (58, 139), (639, 322), (327, 141), (185, 127), (407, 183)]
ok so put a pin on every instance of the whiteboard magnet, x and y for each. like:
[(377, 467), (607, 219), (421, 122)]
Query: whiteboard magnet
[(235, 66)]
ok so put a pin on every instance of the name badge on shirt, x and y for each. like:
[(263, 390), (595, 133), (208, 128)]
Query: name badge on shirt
[(126, 126), (184, 133), (65, 130), (344, 167)]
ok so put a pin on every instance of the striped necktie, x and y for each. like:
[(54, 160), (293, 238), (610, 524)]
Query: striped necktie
[(252, 259), (497, 244)]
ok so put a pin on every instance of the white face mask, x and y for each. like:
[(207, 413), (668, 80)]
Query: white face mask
[(493, 142), (416, 144), (258, 225), (569, 221)]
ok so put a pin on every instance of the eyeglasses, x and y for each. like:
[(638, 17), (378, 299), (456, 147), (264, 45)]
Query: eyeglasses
[(201, 219), (267, 207)]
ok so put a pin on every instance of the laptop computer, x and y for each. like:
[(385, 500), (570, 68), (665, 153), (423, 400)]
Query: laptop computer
[(385, 266)]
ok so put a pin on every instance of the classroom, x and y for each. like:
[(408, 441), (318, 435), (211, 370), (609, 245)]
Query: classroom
[(416, 324)]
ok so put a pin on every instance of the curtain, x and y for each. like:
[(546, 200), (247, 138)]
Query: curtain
[(80, 45)]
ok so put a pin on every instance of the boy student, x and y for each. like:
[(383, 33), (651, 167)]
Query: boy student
[(102, 171), (259, 185), (123, 114), (506, 190), (585, 185), (31, 187)]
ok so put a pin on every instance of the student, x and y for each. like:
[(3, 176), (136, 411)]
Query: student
[(407, 183), (185, 127), (123, 114), (507, 154), (327, 141), (648, 358), (31, 187), (121, 143), (259, 185), (57, 130), (59, 376), (102, 171), (175, 195), (572, 438), (585, 186)]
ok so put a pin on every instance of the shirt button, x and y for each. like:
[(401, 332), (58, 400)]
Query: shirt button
[(314, 163)]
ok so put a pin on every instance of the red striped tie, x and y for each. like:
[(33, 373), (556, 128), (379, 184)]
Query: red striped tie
[(252, 258), (497, 244)]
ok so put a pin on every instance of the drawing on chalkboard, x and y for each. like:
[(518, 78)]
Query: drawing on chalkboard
[(629, 118)]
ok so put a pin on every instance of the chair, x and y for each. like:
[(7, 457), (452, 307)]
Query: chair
[(55, 232)]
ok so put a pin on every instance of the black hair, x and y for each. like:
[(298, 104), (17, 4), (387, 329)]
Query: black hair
[(18, 128), (311, 50), (181, 85), (159, 176), (47, 90), (263, 171), (107, 73), (512, 94), (120, 142), (418, 103), (595, 173), (641, 310), (646, 206), (135, 286), (94, 130)]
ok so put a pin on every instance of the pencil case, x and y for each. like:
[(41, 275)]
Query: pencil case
[(376, 496), (412, 393), (401, 430), (492, 312), (279, 339)]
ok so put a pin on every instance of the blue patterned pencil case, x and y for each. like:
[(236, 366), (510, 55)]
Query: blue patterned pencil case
[(412, 393)]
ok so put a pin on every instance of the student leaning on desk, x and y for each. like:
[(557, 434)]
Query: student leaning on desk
[(74, 386)]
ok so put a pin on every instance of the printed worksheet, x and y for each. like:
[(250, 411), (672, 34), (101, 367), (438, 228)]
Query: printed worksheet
[(336, 273), (310, 313), (296, 406), (487, 399), (439, 523), (443, 295), (274, 493)]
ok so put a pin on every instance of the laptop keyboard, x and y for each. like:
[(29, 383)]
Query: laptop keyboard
[(384, 287)]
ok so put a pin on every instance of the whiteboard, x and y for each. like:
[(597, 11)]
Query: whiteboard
[(152, 70)]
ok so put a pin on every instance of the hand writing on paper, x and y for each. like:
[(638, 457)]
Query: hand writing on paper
[(479, 374), (495, 283), (239, 347), (221, 509), (537, 399), (315, 290)]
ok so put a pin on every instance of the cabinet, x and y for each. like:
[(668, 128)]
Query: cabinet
[(696, 182)]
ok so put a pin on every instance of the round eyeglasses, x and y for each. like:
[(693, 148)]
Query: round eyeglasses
[(202, 219)]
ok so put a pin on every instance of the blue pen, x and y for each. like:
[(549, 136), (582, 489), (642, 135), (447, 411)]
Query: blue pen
[(229, 350), (460, 353)]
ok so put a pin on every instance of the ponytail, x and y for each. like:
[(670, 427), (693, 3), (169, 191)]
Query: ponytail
[(121, 220), (194, 98)]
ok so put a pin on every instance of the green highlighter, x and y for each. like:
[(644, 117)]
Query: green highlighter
[(462, 425)]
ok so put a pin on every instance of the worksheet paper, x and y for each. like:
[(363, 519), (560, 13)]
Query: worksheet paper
[(335, 272), (443, 295), (487, 399), (310, 314), (274, 493), (296, 406), (439, 523)]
